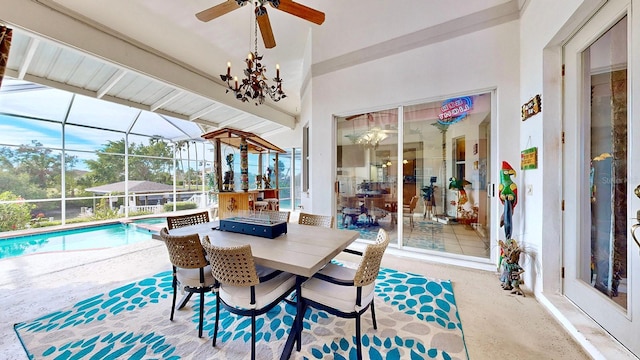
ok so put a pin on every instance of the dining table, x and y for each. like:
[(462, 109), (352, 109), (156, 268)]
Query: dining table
[(303, 250)]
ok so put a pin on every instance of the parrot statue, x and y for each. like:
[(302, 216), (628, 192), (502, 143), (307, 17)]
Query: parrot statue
[(455, 184), (508, 192)]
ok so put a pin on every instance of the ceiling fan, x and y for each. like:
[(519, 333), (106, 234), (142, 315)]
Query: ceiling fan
[(288, 6)]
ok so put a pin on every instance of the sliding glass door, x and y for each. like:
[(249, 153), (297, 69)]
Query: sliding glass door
[(419, 171)]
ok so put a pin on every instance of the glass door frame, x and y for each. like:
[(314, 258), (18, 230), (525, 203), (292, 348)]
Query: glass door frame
[(575, 179)]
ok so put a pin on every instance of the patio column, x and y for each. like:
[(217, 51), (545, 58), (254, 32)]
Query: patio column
[(244, 164)]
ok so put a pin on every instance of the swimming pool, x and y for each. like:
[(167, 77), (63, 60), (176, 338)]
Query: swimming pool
[(94, 237)]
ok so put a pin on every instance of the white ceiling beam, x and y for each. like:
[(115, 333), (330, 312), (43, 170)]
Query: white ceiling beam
[(110, 83), (28, 58), (273, 132), (59, 24), (232, 120), (204, 111), (165, 100), (256, 126), (206, 122)]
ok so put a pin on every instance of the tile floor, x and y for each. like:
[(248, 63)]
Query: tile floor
[(427, 234)]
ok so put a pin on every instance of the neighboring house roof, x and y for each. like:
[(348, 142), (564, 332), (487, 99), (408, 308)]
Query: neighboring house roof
[(135, 186)]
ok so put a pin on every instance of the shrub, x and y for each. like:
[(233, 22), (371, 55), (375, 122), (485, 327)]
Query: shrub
[(14, 216), (180, 205), (140, 213)]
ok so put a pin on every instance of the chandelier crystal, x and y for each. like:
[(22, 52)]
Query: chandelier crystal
[(254, 86)]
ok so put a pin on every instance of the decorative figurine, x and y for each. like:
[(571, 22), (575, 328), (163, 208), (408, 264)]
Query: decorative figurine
[(510, 277), (429, 197), (508, 192), (266, 179), (258, 182), (227, 184)]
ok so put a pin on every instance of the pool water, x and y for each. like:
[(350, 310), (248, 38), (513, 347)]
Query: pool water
[(77, 239), (151, 221)]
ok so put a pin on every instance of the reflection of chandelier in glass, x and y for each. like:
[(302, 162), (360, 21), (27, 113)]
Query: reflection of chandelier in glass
[(370, 139), (254, 86)]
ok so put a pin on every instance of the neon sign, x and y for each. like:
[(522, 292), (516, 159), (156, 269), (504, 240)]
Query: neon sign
[(454, 110)]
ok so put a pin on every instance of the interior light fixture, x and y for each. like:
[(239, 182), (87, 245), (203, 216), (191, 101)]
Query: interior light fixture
[(369, 139), (254, 86)]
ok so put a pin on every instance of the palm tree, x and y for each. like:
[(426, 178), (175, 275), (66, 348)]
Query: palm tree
[(178, 147)]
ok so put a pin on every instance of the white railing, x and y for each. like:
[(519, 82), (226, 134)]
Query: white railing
[(154, 209)]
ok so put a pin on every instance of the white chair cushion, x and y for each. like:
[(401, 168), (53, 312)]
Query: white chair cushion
[(266, 292), (338, 272), (342, 298), (191, 277), (263, 270)]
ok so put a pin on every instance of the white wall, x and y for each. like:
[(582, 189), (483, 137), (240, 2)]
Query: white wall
[(484, 60)]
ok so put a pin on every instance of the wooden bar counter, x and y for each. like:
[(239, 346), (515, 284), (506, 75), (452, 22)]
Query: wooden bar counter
[(231, 203)]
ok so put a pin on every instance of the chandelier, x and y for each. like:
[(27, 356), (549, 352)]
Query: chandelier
[(253, 86), (369, 139)]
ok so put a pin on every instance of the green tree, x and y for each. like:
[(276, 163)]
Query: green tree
[(146, 162), (178, 147), (20, 185), (35, 170), (14, 216), (38, 162), (109, 166)]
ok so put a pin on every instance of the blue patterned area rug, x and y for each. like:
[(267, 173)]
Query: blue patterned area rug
[(417, 319)]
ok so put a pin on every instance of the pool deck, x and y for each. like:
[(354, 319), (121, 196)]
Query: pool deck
[(37, 284)]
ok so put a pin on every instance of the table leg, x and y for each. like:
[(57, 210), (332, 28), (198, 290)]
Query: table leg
[(296, 327)]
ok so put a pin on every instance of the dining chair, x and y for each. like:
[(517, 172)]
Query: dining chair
[(316, 220), (407, 210), (240, 289), (346, 292), (276, 215), (178, 221), (191, 270)]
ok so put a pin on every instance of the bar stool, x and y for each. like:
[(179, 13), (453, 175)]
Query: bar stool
[(260, 205), (274, 204)]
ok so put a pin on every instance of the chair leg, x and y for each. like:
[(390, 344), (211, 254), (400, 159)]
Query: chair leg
[(358, 339), (253, 337), (201, 314), (215, 327), (173, 303), (373, 316), (184, 300)]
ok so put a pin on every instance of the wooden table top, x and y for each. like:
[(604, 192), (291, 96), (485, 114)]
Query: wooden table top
[(303, 250)]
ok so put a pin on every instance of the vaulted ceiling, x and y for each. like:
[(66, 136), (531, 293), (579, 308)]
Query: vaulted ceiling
[(156, 56)]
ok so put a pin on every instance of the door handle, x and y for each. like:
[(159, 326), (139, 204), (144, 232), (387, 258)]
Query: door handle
[(635, 227)]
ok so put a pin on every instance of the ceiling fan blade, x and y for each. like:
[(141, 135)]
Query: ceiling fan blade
[(265, 27), (368, 115), (218, 10), (299, 10)]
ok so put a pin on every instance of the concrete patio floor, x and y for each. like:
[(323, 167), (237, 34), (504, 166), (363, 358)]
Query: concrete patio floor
[(496, 324)]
